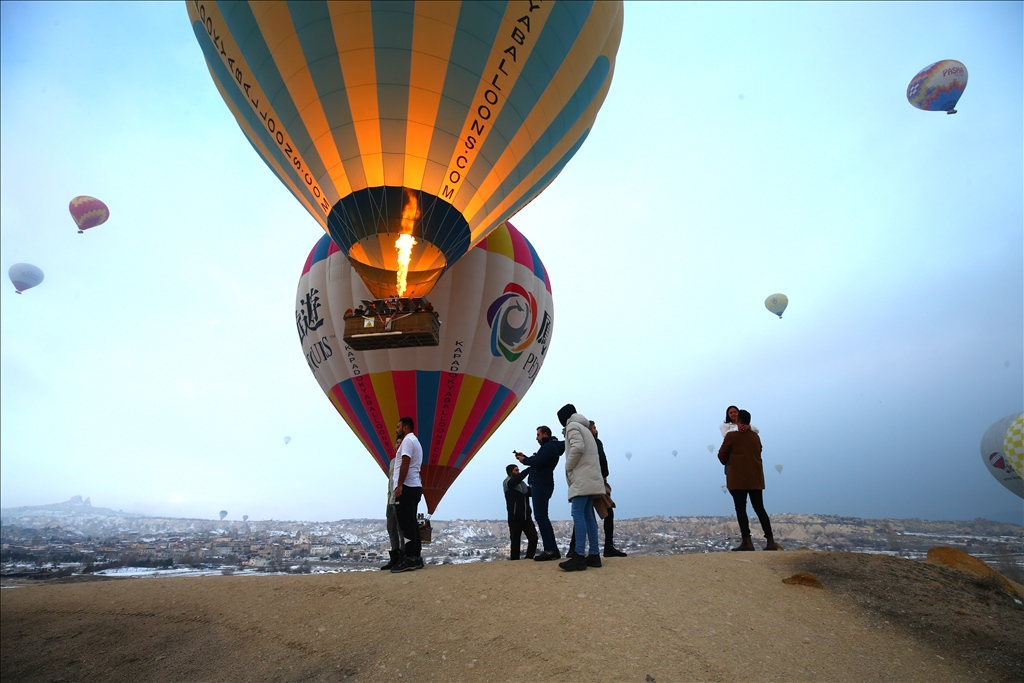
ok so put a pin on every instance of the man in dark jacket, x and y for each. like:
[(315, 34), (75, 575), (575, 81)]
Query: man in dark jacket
[(542, 485), (609, 522), (745, 476), (517, 501)]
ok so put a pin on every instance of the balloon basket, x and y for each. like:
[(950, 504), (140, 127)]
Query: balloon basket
[(951, 111), (395, 324), (425, 530)]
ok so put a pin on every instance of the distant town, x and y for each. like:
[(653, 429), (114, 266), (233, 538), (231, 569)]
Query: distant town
[(74, 541)]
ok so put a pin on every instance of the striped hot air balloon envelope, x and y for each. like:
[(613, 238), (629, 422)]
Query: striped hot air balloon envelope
[(24, 276), (88, 212), (498, 317), (435, 120)]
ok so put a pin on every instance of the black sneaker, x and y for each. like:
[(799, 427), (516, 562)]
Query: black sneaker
[(613, 552), (547, 555), (406, 565), (571, 553), (594, 560), (418, 562), (574, 564)]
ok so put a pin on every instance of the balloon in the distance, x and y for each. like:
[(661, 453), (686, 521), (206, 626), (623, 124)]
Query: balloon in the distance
[(24, 276), (725, 489), (629, 456), (431, 121), (675, 453), (938, 86), (223, 514), (711, 448), (1001, 438), (245, 518), (88, 212), (777, 303), (778, 468), (496, 317), (287, 440)]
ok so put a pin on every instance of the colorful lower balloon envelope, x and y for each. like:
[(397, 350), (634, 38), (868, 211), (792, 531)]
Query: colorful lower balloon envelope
[(496, 319)]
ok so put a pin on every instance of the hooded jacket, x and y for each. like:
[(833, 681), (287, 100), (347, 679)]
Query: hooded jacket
[(517, 496), (582, 463), (542, 463)]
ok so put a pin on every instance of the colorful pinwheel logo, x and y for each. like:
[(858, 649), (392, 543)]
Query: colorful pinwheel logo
[(513, 322)]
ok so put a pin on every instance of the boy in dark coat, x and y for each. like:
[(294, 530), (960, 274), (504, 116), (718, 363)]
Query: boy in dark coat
[(745, 476), (517, 502)]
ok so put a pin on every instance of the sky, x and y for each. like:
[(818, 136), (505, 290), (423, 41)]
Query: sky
[(743, 150)]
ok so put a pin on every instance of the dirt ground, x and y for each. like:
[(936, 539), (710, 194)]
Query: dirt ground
[(722, 616)]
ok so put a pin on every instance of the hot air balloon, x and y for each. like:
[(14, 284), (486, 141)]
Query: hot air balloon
[(24, 276), (88, 212), (629, 456), (778, 468), (777, 303), (938, 86), (1002, 451), (408, 130), (725, 489), (498, 318), (287, 440), (675, 453), (245, 518), (223, 514), (711, 448)]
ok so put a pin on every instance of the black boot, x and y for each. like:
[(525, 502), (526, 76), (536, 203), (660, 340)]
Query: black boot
[(391, 562), (612, 551), (577, 563)]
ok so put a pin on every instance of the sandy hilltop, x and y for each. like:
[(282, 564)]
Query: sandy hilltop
[(715, 616)]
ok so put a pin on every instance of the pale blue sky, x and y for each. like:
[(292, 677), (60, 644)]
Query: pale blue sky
[(743, 149)]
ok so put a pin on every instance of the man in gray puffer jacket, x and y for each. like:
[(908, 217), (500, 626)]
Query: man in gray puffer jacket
[(583, 474)]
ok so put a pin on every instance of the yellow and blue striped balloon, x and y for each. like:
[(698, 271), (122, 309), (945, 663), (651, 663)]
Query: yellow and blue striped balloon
[(438, 120)]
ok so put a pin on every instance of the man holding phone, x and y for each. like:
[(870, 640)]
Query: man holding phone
[(542, 485)]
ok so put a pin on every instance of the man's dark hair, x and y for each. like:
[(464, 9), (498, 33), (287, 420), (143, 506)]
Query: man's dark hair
[(565, 412), (727, 420), (743, 418), (407, 421), (545, 430), (508, 470)]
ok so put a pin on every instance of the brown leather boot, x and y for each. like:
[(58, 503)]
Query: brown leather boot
[(747, 544), (771, 544)]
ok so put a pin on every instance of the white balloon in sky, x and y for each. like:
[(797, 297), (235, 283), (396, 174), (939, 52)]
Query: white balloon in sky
[(997, 453), (778, 468), (675, 453), (629, 456), (287, 440), (711, 448)]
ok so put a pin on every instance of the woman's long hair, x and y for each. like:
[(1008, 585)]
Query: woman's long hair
[(727, 420)]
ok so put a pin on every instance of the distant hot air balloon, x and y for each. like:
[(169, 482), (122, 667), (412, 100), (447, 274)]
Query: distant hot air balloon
[(223, 514), (1002, 452), (88, 212), (287, 440), (24, 276), (778, 468), (245, 518), (777, 303), (410, 131), (497, 318), (711, 448), (938, 86), (675, 453), (629, 456), (725, 489)]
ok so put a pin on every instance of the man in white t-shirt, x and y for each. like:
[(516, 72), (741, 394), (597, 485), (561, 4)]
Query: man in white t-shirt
[(408, 491)]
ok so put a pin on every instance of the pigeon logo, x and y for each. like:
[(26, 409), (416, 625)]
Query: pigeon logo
[(513, 322)]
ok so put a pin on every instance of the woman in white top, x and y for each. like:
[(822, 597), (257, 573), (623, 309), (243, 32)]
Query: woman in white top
[(730, 425)]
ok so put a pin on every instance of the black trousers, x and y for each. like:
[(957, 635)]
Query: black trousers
[(407, 506), (757, 502), (609, 529), (516, 528)]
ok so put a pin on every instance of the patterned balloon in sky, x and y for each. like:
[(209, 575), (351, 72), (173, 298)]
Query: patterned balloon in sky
[(24, 276), (777, 303), (88, 212), (432, 121), (1002, 452), (496, 317), (938, 86)]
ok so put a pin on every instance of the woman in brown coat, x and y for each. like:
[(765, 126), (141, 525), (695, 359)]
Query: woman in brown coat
[(745, 476)]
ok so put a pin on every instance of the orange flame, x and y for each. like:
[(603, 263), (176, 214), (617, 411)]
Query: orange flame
[(405, 241)]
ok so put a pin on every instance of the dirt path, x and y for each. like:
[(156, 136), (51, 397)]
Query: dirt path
[(723, 616)]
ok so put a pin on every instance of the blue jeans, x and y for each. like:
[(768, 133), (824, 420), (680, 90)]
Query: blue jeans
[(583, 518), (540, 493)]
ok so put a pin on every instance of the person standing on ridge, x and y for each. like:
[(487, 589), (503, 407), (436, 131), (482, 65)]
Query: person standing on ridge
[(609, 521), (408, 491), (730, 425), (517, 501), (542, 485), (745, 476), (394, 531), (583, 474)]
